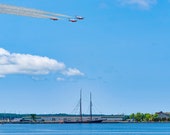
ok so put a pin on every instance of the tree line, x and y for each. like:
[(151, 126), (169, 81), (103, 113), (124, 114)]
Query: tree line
[(147, 117)]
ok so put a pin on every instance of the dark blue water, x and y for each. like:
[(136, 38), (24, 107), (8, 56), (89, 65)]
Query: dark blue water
[(86, 129)]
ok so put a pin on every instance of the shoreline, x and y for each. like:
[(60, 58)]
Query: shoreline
[(116, 122)]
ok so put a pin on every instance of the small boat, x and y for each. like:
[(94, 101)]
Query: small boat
[(90, 120)]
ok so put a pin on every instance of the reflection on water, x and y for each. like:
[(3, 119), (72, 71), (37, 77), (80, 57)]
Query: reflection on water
[(86, 129)]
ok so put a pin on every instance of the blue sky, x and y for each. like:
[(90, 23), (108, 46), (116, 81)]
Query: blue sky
[(119, 52)]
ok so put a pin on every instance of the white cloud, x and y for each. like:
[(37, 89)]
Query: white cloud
[(60, 79), (2, 76), (15, 63), (72, 72), (145, 4), (38, 78), (4, 52)]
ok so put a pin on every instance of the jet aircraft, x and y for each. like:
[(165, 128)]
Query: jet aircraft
[(79, 17), (72, 20), (54, 19)]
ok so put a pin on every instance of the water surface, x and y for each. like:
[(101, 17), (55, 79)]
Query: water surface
[(86, 129)]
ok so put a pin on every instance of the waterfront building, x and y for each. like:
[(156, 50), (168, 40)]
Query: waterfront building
[(163, 115), (62, 118)]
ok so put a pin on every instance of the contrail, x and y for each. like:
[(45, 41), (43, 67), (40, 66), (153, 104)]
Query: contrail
[(25, 14), (8, 9)]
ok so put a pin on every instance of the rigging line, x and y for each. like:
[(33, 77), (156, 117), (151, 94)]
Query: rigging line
[(76, 108)]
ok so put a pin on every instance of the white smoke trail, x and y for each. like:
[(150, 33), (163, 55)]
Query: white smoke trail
[(25, 14), (8, 9)]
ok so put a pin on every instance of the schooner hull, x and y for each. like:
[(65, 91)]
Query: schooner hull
[(88, 121)]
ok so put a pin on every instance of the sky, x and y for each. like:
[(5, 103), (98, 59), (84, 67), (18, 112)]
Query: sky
[(119, 53)]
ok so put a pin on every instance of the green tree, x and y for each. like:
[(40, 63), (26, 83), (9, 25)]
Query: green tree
[(155, 117), (132, 116), (33, 117), (139, 117), (147, 117)]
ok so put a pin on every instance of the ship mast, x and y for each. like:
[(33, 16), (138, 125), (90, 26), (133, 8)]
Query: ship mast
[(90, 107), (81, 119)]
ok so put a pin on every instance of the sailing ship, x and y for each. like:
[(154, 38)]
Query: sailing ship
[(81, 120)]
